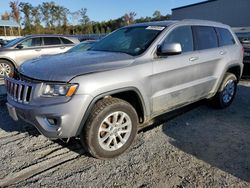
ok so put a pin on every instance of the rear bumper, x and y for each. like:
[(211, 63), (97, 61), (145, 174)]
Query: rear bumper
[(54, 121)]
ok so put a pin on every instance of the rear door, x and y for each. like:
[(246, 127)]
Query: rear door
[(52, 45), (212, 56)]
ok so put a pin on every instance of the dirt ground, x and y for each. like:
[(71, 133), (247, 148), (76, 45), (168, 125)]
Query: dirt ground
[(200, 147)]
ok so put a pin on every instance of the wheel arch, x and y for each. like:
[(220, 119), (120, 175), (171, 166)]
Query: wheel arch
[(236, 70), (9, 60), (129, 94)]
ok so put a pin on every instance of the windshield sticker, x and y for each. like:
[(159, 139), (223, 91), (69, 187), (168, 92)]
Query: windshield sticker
[(158, 28)]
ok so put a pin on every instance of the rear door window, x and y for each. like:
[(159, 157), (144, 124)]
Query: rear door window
[(51, 41), (225, 37), (182, 35), (205, 37)]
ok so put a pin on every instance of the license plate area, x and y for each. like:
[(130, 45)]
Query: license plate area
[(12, 111)]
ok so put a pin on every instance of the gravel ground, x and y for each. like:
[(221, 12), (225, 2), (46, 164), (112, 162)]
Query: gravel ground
[(200, 147)]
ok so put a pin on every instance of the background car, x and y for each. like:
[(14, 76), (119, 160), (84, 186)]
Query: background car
[(244, 36), (83, 46), (13, 54)]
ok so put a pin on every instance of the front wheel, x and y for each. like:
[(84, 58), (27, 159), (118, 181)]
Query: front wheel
[(227, 91), (6, 68), (110, 129)]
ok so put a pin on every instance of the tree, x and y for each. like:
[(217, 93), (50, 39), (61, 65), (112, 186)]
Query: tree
[(26, 9), (87, 27), (129, 18), (46, 13), (52, 13), (15, 11), (108, 30), (157, 14), (96, 29), (5, 16), (75, 17), (36, 14), (84, 18)]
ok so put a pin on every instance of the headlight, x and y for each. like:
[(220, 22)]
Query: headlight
[(59, 89)]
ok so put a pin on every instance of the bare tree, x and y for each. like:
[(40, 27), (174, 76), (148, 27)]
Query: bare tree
[(129, 18), (5, 16), (15, 11)]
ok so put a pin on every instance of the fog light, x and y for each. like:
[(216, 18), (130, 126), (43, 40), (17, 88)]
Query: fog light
[(52, 121)]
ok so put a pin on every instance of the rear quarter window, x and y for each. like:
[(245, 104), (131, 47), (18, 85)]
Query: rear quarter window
[(205, 37), (66, 41), (225, 37)]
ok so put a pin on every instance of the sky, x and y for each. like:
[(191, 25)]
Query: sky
[(103, 10)]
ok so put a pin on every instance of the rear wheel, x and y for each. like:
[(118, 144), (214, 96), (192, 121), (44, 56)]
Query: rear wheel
[(227, 91), (6, 68), (110, 129)]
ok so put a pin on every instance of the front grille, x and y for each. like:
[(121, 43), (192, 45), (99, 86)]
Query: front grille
[(19, 91)]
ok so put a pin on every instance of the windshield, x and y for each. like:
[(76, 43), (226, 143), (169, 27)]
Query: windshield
[(83, 46), (13, 42), (131, 40)]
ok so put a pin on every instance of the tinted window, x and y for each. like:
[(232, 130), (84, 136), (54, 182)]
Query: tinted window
[(51, 41), (182, 35), (31, 42), (225, 37), (205, 37), (66, 41)]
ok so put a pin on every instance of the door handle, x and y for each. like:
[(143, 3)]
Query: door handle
[(193, 58), (37, 50), (222, 52), (63, 47)]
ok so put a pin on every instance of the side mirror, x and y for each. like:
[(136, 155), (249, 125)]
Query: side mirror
[(19, 46), (169, 49)]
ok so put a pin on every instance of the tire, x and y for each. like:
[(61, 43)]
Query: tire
[(110, 129), (6, 68), (226, 93)]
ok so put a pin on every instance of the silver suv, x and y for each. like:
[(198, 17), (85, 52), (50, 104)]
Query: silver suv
[(138, 72), (16, 52)]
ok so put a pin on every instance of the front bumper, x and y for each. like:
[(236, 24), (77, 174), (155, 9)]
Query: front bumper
[(53, 121)]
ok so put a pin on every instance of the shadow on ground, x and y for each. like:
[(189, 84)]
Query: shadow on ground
[(220, 138), (8, 125)]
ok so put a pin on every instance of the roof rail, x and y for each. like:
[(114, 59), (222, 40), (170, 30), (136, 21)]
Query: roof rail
[(200, 20)]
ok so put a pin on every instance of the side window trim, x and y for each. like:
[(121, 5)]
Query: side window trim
[(194, 38), (218, 36)]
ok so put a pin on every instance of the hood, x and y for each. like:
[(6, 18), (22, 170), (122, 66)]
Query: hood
[(64, 67)]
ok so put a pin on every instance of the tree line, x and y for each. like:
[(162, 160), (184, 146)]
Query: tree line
[(51, 18)]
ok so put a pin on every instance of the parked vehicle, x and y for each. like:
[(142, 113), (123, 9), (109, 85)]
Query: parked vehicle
[(13, 54), (82, 46), (4, 42), (104, 95), (244, 36)]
